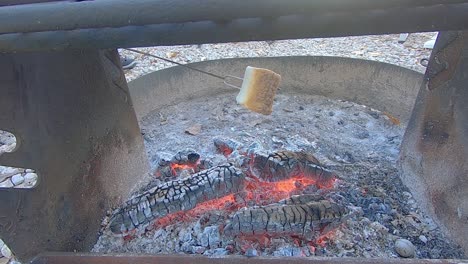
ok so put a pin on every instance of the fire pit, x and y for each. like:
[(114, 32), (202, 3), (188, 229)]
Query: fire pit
[(316, 178)]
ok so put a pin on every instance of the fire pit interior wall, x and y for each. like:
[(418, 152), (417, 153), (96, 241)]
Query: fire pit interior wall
[(382, 86)]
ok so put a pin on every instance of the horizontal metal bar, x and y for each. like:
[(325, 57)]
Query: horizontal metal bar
[(118, 13), (23, 2), (88, 258), (344, 23)]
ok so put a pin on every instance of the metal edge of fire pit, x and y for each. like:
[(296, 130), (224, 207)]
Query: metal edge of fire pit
[(434, 150), (383, 86), (75, 125), (70, 258)]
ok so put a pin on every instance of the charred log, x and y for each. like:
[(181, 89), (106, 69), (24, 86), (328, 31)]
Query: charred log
[(175, 196), (292, 217), (283, 165)]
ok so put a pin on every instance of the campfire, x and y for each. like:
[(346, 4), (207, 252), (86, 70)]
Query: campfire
[(316, 178), (262, 186)]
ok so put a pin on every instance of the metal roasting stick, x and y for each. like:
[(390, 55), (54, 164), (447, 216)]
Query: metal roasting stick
[(225, 78)]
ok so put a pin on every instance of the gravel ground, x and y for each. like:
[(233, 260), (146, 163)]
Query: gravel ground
[(383, 48)]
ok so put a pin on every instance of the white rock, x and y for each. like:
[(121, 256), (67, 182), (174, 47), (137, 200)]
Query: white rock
[(423, 239), (6, 252), (1, 243), (7, 170), (17, 179), (30, 177), (405, 248), (29, 170), (6, 184), (430, 43)]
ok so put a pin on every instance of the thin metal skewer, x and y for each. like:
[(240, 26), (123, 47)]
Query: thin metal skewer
[(225, 78)]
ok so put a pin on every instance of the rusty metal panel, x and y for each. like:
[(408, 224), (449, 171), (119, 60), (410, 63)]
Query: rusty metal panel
[(70, 258), (74, 121), (434, 150)]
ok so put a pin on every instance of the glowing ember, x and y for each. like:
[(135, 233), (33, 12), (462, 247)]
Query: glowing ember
[(272, 184), (179, 167), (263, 192), (227, 202)]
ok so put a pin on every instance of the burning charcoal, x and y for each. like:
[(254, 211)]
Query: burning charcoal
[(164, 172), (225, 145), (307, 220), (175, 196), (186, 157), (184, 163), (163, 169), (286, 164)]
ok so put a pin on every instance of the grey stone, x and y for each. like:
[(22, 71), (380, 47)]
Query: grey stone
[(251, 252), (405, 248)]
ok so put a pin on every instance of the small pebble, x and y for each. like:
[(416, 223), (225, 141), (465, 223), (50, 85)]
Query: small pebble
[(423, 239), (6, 252), (405, 248), (301, 108), (29, 171), (17, 179), (251, 252)]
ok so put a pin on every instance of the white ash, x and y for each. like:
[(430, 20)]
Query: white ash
[(358, 143), (384, 48)]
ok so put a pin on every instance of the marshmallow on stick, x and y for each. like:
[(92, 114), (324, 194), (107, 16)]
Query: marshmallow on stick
[(258, 90)]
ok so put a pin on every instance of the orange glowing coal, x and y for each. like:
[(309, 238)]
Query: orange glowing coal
[(227, 202), (260, 192), (178, 167), (269, 192)]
